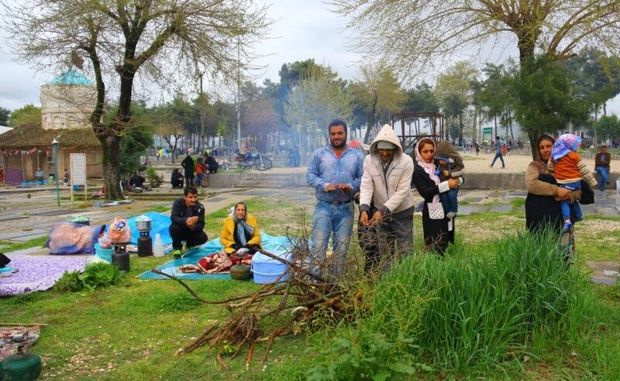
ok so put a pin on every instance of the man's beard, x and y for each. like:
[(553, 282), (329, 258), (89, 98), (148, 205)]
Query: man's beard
[(339, 144)]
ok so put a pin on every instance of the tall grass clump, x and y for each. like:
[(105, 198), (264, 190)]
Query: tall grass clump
[(486, 306), (467, 310)]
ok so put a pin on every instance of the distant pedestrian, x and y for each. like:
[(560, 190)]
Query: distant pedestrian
[(601, 166), (188, 167), (39, 176), (477, 147), (500, 146)]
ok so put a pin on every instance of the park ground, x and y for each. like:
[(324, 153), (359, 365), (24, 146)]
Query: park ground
[(132, 331)]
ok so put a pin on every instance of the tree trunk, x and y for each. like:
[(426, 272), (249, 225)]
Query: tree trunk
[(532, 135), (111, 167), (495, 130), (461, 129)]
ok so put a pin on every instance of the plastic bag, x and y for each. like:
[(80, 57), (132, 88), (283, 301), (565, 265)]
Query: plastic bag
[(120, 231), (104, 241)]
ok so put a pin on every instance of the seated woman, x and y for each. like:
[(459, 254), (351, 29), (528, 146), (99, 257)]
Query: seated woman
[(240, 233)]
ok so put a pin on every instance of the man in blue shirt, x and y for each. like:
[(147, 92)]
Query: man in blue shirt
[(335, 173)]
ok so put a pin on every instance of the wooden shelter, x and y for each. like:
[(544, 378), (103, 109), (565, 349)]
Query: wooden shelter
[(27, 148)]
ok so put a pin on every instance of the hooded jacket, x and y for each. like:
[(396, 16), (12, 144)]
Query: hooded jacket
[(390, 190)]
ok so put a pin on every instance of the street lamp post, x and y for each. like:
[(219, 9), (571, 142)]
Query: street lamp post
[(55, 144)]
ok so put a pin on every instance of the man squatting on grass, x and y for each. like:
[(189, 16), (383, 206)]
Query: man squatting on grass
[(335, 172), (187, 221)]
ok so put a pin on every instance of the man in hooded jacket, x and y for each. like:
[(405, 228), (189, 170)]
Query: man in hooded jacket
[(386, 200)]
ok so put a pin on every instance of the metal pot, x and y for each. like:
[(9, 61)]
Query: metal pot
[(240, 272), (143, 224)]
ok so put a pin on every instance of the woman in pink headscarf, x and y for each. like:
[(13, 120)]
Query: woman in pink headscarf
[(438, 230)]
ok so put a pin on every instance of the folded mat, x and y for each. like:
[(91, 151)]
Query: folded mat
[(38, 273), (278, 245)]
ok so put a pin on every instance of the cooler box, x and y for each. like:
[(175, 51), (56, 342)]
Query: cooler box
[(269, 270)]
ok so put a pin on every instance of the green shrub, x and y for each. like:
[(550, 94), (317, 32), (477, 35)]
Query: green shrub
[(95, 275), (364, 354), (154, 179)]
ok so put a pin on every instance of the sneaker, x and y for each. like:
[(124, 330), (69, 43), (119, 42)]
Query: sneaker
[(567, 226), (176, 253), (451, 215)]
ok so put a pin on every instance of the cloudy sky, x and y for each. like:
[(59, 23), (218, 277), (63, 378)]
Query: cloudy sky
[(303, 29)]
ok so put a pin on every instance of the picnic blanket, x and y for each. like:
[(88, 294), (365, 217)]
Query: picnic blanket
[(278, 245), (38, 273)]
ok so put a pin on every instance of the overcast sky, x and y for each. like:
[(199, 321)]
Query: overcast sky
[(302, 30)]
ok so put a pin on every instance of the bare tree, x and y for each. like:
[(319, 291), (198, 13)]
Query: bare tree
[(413, 33), (162, 40)]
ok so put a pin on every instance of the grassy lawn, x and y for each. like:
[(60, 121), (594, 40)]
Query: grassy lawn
[(132, 331)]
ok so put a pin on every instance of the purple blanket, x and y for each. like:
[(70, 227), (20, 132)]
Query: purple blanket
[(37, 273)]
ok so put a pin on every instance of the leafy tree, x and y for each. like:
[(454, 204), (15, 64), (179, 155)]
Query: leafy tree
[(174, 119), (421, 99), (608, 127), (545, 99), (4, 116), (29, 115), (161, 40), (595, 76), (312, 105), (454, 92), (379, 94), (494, 95)]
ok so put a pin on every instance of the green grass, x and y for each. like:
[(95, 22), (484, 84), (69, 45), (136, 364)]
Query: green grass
[(8, 246), (132, 330)]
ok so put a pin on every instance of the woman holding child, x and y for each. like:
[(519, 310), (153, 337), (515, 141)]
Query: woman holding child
[(438, 229), (542, 207)]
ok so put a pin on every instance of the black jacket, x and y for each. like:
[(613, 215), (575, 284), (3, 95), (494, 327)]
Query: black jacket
[(179, 214), (423, 183), (188, 166)]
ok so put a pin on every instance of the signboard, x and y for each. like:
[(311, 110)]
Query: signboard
[(487, 134), (78, 169)]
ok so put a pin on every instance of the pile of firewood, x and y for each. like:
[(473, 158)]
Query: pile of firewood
[(304, 299)]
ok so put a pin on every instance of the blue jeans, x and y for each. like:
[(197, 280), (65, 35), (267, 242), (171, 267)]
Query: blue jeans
[(603, 177), (571, 209), (449, 200), (501, 157), (335, 221)]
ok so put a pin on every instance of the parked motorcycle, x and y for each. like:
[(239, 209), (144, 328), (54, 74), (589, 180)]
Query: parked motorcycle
[(253, 160)]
